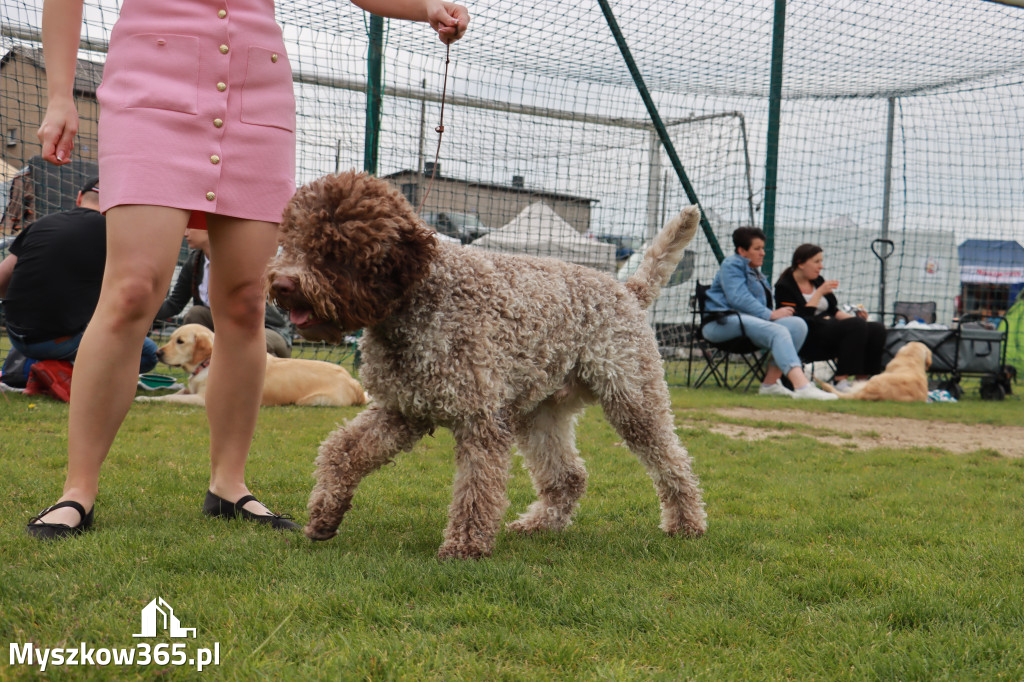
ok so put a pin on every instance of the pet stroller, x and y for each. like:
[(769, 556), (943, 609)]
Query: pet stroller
[(968, 349)]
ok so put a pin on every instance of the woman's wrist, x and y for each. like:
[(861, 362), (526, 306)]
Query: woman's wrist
[(60, 100)]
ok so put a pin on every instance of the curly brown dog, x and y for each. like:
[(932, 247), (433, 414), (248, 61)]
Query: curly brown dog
[(904, 379), (288, 381), (500, 349)]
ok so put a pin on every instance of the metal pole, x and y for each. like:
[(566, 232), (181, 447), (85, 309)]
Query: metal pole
[(887, 193), (374, 92), (423, 128), (652, 111), (771, 166), (746, 165), (653, 185)]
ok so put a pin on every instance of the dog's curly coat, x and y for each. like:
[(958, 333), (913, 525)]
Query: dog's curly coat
[(501, 349)]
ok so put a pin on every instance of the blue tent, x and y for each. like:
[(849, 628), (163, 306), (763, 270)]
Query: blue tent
[(991, 261)]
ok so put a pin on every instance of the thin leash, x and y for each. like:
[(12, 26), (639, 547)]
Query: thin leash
[(439, 129)]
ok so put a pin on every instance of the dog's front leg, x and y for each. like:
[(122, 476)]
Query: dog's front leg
[(346, 456), (479, 499)]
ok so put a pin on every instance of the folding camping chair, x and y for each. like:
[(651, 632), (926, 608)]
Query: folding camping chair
[(717, 356)]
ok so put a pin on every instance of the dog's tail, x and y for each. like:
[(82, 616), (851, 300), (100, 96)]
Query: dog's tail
[(663, 255), (825, 386)]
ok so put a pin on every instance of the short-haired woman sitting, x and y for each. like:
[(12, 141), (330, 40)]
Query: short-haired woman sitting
[(741, 292), (855, 343)]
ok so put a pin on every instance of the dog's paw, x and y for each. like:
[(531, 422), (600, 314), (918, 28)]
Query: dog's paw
[(318, 532), (144, 398), (524, 526), (541, 517), (450, 550), (528, 524), (690, 528)]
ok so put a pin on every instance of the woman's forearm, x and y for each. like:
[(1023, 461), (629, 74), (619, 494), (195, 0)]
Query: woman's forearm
[(62, 32), (411, 10)]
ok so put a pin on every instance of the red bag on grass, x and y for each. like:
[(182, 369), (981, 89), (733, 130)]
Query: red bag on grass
[(50, 377)]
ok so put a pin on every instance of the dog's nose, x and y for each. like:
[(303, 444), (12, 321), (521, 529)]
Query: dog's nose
[(282, 286)]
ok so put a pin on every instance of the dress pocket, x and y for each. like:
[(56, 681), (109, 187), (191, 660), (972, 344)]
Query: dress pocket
[(154, 71), (268, 97)]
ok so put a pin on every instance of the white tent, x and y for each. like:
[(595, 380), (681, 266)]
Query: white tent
[(539, 231), (7, 171)]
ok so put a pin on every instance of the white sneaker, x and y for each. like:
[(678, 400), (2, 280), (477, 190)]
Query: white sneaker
[(844, 386), (774, 389), (812, 392)]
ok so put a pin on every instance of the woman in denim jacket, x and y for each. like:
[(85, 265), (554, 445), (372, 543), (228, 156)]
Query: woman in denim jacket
[(739, 304)]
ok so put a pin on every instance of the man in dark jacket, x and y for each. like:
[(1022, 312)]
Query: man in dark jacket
[(193, 284), (50, 281)]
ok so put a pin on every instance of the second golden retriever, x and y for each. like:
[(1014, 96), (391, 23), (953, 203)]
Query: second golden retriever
[(289, 381), (904, 380)]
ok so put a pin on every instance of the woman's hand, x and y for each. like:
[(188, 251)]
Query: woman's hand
[(58, 130), (780, 313), (828, 286), (449, 20)]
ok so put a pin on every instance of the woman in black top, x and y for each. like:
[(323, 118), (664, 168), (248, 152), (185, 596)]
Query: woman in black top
[(855, 343)]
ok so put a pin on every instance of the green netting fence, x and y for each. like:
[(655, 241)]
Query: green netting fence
[(898, 121)]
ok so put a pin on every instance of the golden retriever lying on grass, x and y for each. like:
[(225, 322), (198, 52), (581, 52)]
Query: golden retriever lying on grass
[(904, 379), (289, 381)]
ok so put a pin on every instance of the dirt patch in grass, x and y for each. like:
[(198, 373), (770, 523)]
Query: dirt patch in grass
[(862, 433)]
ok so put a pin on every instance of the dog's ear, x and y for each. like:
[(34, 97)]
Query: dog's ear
[(202, 348), (363, 245), (927, 357)]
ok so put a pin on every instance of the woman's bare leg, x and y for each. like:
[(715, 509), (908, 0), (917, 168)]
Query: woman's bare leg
[(239, 251), (772, 375), (142, 246), (797, 378)]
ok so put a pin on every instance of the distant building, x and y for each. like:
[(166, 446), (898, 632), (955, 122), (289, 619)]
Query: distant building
[(23, 101), (495, 204)]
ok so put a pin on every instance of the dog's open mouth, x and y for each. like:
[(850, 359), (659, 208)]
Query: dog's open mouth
[(303, 318), (311, 327)]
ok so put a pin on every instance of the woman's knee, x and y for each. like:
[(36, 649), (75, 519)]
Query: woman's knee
[(242, 307), (131, 297)]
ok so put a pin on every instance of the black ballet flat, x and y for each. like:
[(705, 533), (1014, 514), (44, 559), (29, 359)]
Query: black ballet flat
[(57, 531), (219, 507)]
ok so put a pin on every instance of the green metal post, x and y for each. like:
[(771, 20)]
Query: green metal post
[(374, 93), (652, 111), (771, 165)]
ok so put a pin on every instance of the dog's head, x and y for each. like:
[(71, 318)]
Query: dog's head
[(351, 250), (916, 353), (189, 346)]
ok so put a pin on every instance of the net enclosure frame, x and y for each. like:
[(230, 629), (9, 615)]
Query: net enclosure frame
[(821, 121)]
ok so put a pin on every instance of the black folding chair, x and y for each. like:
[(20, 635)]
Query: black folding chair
[(717, 356)]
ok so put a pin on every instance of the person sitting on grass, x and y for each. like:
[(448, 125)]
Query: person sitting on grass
[(739, 304)]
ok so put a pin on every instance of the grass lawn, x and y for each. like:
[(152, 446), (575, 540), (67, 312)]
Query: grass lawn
[(819, 562)]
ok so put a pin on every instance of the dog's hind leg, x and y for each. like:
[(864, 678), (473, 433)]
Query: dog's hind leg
[(346, 456), (479, 499), (642, 416), (547, 440)]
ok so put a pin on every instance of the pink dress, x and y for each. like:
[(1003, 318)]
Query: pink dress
[(197, 109)]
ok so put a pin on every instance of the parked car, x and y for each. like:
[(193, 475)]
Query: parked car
[(462, 226)]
